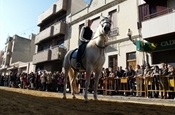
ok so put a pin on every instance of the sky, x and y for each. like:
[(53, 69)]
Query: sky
[(20, 17)]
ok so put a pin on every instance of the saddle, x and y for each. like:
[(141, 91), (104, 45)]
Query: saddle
[(74, 54)]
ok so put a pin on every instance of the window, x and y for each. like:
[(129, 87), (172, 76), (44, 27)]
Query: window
[(143, 11), (113, 15), (80, 27), (152, 9), (114, 28), (44, 46), (95, 24), (131, 56)]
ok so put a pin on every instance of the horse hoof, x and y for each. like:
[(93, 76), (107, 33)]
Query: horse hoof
[(64, 97), (95, 99), (74, 97), (85, 101)]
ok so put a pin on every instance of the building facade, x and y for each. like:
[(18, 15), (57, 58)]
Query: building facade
[(52, 40), (18, 51), (157, 20), (1, 57), (124, 14)]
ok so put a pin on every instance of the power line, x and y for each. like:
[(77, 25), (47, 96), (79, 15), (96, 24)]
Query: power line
[(25, 30)]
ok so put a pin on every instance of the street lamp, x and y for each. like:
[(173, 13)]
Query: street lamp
[(130, 36)]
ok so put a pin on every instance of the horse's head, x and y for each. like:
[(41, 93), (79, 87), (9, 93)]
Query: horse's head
[(105, 24)]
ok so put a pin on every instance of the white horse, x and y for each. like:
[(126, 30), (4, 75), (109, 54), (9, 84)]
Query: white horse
[(93, 60)]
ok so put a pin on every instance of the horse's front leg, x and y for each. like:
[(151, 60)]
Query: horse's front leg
[(88, 74), (72, 89), (97, 74), (74, 83)]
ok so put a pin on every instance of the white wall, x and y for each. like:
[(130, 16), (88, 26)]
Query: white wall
[(127, 17), (158, 26), (125, 47)]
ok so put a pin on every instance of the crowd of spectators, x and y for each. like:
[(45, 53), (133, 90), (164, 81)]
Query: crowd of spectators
[(155, 77), (136, 79), (41, 80)]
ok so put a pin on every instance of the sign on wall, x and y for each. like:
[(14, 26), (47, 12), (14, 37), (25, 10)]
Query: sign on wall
[(157, 45)]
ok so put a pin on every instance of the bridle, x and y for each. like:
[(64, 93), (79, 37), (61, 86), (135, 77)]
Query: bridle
[(108, 22), (102, 25)]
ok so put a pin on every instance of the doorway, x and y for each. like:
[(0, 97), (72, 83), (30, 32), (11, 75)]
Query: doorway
[(113, 62), (131, 60)]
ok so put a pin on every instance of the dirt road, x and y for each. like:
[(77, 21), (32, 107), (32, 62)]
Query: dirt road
[(28, 102)]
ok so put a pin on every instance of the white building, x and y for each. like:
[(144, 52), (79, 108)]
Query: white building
[(157, 20), (121, 51)]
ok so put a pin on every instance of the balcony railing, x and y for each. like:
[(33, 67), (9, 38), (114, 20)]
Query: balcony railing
[(46, 14), (114, 32), (53, 53), (153, 15), (58, 52), (59, 28), (61, 5), (56, 29), (44, 34), (42, 56), (158, 26)]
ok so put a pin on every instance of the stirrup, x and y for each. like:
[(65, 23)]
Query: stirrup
[(78, 65)]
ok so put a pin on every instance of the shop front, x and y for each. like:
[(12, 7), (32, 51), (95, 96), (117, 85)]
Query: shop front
[(162, 49)]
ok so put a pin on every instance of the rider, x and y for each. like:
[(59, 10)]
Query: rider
[(85, 37)]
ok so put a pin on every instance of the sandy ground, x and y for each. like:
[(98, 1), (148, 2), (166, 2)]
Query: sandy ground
[(28, 102)]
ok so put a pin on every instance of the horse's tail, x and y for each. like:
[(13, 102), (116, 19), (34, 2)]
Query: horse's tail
[(68, 71)]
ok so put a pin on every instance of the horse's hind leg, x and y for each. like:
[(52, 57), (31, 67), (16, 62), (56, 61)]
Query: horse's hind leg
[(97, 74), (72, 79)]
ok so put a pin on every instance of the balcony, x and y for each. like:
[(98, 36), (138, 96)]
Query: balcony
[(58, 53), (114, 32), (61, 5), (159, 23), (152, 1), (59, 28), (50, 13), (46, 14), (44, 34), (43, 56)]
